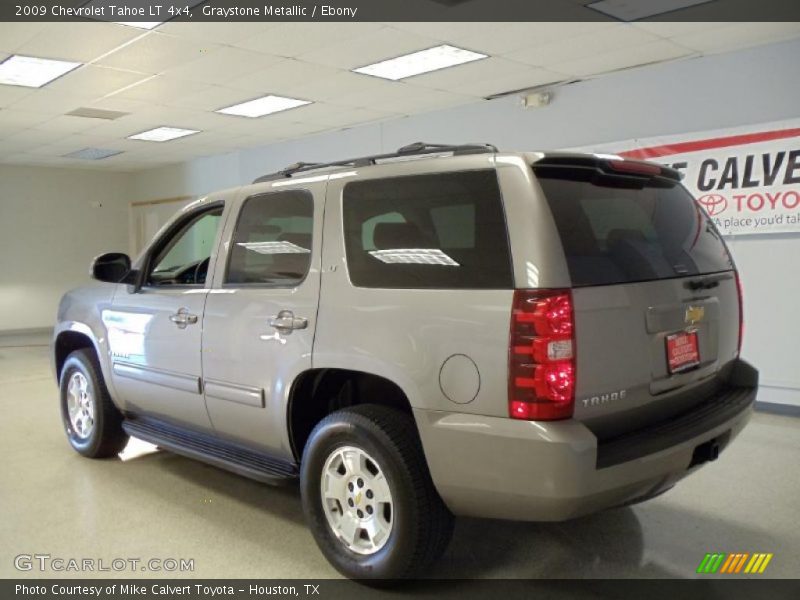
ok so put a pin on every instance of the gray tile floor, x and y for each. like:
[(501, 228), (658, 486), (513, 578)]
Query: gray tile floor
[(157, 505)]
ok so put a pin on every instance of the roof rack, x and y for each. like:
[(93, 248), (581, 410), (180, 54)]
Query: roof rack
[(415, 149)]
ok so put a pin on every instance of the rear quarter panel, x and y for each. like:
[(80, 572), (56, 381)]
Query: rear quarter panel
[(407, 335)]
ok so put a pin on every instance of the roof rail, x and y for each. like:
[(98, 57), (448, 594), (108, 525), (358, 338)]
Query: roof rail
[(415, 149)]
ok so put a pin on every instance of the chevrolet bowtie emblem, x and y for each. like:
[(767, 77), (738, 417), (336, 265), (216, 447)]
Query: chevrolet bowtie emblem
[(694, 314)]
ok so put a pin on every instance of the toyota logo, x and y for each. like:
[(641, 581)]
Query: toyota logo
[(713, 203)]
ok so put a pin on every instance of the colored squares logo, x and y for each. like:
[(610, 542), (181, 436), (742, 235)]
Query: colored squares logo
[(735, 563)]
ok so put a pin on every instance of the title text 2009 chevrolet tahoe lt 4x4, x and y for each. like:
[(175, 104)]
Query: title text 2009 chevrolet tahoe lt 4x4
[(434, 332)]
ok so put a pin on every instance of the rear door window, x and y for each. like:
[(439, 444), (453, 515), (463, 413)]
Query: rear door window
[(272, 241), (624, 229), (443, 231)]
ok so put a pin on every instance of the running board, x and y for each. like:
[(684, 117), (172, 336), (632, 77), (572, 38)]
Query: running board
[(209, 449)]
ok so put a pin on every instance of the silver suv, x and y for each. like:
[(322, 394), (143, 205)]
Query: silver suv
[(444, 330)]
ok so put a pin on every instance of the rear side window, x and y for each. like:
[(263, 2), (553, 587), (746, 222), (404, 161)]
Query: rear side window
[(272, 241), (626, 229), (443, 231)]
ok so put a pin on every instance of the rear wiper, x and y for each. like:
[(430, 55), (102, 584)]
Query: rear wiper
[(706, 283)]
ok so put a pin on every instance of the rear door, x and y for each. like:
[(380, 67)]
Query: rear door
[(655, 293), (260, 317)]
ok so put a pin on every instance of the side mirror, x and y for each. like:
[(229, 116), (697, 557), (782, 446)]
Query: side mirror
[(112, 267)]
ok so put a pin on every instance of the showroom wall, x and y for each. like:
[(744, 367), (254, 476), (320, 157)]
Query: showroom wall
[(727, 90), (52, 223)]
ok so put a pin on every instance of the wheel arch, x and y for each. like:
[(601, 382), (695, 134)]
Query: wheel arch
[(316, 393), (67, 342)]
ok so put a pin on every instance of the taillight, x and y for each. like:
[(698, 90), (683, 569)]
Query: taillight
[(541, 357), (740, 292)]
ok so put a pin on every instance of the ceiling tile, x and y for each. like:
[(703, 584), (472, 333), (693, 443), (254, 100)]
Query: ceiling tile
[(445, 79), (221, 65), (216, 32), (95, 81), (582, 46), (68, 124), (292, 39), (668, 29), (160, 90), (739, 35), (652, 52), (208, 98), (51, 102), (369, 48), (515, 36), (282, 77), (155, 53), (510, 82), (21, 118), (11, 93), (13, 35), (345, 82), (80, 42)]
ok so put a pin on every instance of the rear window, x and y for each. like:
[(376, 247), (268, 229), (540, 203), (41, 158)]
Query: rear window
[(443, 231), (625, 229)]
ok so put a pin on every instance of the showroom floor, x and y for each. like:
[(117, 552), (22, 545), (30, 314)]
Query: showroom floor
[(157, 505)]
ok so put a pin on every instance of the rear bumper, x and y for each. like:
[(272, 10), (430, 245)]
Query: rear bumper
[(552, 471)]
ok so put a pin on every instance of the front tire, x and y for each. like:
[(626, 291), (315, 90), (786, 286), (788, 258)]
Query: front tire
[(368, 496), (92, 423)]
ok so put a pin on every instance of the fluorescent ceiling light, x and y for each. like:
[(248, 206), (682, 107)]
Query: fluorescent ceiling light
[(33, 72), (262, 106), (163, 134), (633, 10), (140, 24), (424, 61), (93, 154)]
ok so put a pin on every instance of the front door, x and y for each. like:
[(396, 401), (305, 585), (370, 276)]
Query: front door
[(155, 333), (260, 317)]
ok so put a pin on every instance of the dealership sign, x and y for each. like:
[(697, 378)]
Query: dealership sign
[(747, 179)]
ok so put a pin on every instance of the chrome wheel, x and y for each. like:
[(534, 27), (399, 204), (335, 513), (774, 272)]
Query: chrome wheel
[(80, 405), (357, 500)]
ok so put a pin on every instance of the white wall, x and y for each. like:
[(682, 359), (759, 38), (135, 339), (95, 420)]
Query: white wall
[(49, 233)]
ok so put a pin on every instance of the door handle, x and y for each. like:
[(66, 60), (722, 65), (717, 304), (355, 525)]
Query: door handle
[(182, 318), (286, 322)]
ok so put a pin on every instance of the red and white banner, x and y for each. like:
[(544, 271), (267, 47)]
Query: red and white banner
[(747, 178)]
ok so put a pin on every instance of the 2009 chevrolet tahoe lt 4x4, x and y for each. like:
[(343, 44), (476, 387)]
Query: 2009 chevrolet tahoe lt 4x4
[(439, 331)]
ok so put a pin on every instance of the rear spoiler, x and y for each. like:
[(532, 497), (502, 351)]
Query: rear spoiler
[(609, 165)]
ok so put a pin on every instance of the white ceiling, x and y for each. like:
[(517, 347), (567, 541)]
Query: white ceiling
[(179, 73)]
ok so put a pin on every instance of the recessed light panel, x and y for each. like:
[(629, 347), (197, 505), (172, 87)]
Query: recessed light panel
[(424, 61), (163, 134), (633, 10), (33, 72), (96, 113), (93, 153), (262, 106)]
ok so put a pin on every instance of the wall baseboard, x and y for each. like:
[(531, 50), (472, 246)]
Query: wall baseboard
[(776, 408)]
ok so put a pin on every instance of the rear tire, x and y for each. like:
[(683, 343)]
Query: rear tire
[(92, 423), (402, 526)]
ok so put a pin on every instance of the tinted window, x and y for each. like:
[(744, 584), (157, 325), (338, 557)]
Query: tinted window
[(184, 257), (272, 241), (427, 231), (624, 229)]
